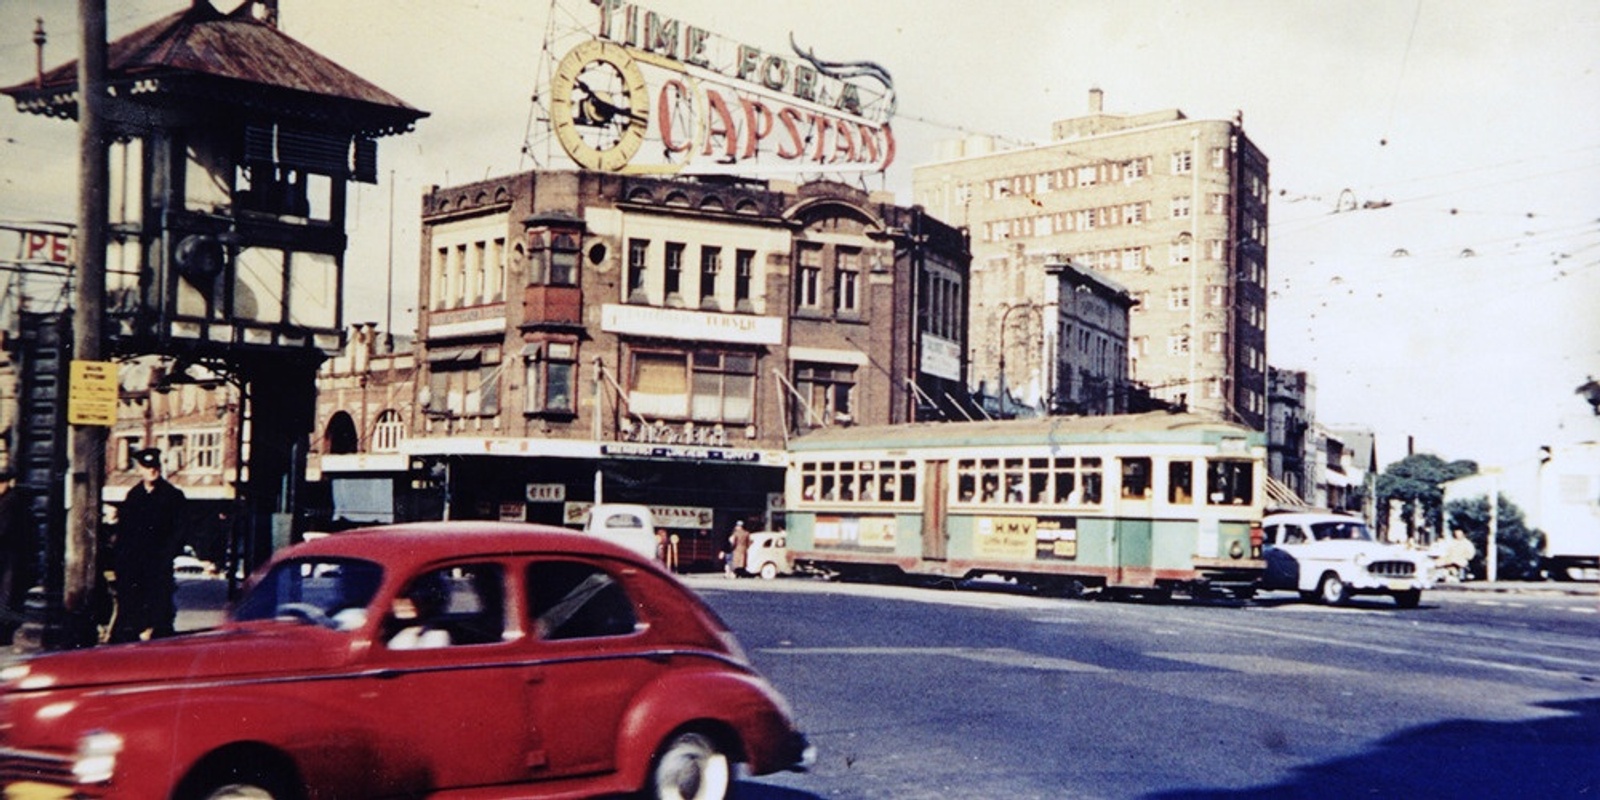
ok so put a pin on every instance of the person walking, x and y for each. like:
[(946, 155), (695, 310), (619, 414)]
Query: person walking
[(16, 557), (739, 544), (148, 537)]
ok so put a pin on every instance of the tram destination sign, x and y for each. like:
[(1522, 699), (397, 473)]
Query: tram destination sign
[(707, 105)]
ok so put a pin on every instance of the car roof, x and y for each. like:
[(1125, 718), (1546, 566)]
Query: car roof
[(413, 543), (1309, 517)]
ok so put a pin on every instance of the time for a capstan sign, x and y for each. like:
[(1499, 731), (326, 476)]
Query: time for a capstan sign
[(652, 95)]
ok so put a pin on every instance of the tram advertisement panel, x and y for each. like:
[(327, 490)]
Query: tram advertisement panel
[(1026, 538), (1057, 537), (874, 533)]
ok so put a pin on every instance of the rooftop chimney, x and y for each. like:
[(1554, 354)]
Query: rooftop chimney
[(1097, 101)]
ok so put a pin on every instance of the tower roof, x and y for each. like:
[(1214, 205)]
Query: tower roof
[(230, 58)]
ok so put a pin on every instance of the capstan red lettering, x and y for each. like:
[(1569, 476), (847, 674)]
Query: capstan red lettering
[(720, 124), (757, 124), (672, 92)]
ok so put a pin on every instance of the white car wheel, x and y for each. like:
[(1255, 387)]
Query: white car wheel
[(1332, 591), (691, 767), (769, 570)]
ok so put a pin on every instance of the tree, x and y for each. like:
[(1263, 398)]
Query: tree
[(1416, 482), (1518, 549)]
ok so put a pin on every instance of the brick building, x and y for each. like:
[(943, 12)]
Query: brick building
[(1175, 209), (586, 335)]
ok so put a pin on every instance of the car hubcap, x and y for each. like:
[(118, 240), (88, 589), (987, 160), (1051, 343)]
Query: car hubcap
[(692, 769), (240, 792)]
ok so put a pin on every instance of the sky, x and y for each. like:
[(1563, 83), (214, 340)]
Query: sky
[(1434, 257)]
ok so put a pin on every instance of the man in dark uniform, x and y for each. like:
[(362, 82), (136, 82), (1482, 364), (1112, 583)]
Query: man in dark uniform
[(17, 554), (148, 538)]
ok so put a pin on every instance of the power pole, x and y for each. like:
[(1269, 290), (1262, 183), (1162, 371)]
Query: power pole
[(88, 441)]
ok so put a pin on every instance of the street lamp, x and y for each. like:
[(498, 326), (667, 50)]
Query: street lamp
[(1005, 320)]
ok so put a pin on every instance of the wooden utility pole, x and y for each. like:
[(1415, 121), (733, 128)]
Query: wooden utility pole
[(88, 470)]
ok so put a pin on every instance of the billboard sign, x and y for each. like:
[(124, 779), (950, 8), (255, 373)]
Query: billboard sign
[(706, 105)]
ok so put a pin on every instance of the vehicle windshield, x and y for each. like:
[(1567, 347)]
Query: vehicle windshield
[(331, 592), (1349, 530)]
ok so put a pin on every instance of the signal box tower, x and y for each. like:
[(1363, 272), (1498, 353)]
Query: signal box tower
[(231, 150)]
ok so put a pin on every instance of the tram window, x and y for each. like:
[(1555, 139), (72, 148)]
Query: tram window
[(808, 482), (1180, 482), (869, 489), (966, 481), (1135, 478), (908, 486), (1230, 483), (828, 488), (1093, 481)]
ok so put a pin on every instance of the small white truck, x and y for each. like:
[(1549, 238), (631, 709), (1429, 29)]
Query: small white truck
[(627, 524)]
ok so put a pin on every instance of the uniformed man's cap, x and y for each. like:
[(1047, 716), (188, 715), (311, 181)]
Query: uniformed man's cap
[(148, 457)]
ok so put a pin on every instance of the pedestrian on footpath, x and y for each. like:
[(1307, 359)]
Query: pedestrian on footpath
[(739, 546), (16, 557), (148, 537)]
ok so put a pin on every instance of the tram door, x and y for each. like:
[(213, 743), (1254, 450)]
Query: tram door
[(934, 488)]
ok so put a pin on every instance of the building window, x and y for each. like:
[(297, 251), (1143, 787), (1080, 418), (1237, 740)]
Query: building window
[(826, 390), (673, 284), (724, 387), (1216, 342), (638, 262), (460, 386), (1182, 162), (1219, 157), (563, 260), (1180, 251), (708, 386), (388, 432), (207, 448), (808, 278), (1180, 207), (548, 376), (1217, 295), (846, 282), (1177, 345), (658, 385), (1178, 298), (743, 269), (710, 266)]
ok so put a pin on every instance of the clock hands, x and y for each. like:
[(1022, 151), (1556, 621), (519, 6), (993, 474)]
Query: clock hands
[(597, 109)]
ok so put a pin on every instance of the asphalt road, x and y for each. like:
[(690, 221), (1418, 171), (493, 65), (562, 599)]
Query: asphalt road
[(1482, 692), (923, 694)]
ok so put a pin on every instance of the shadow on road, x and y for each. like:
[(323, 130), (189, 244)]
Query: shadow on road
[(1554, 757), (756, 791)]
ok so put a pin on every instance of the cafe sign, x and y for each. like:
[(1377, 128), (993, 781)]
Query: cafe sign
[(706, 105)]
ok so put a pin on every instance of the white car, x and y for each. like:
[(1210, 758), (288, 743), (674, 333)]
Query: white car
[(631, 525), (768, 555), (1330, 557)]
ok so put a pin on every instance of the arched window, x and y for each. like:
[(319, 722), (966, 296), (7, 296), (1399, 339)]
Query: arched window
[(341, 435), (388, 432)]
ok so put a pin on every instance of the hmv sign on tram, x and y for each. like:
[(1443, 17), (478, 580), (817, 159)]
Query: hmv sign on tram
[(652, 95)]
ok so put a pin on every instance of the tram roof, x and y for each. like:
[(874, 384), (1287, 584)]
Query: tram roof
[(1153, 427)]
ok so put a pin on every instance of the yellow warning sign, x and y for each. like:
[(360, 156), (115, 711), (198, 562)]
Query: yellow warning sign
[(92, 393)]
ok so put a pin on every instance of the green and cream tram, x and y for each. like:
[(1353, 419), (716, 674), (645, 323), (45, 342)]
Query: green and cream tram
[(1147, 503)]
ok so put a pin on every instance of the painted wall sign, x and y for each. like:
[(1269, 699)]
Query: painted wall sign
[(704, 326), (708, 105)]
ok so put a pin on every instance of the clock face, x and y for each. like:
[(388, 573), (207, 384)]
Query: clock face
[(598, 105)]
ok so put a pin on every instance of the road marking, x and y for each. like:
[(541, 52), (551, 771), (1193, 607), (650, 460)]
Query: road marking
[(1256, 665), (1002, 656)]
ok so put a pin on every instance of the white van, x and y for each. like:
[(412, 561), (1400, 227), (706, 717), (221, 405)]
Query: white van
[(627, 524)]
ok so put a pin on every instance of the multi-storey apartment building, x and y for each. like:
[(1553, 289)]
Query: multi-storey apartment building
[(586, 336), (1175, 209)]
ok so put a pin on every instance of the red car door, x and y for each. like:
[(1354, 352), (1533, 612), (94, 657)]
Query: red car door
[(451, 701), (593, 658)]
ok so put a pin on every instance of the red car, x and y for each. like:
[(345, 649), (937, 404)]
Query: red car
[(473, 660)]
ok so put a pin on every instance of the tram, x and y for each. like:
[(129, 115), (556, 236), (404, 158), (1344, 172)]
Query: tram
[(1145, 503)]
